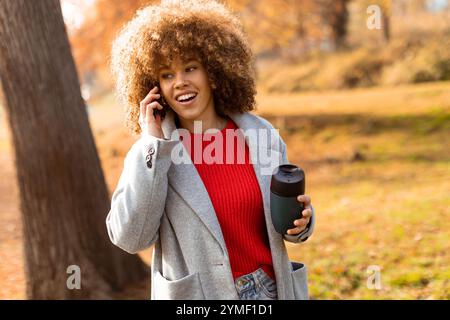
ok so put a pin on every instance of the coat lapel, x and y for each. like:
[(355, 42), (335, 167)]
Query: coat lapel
[(186, 181), (196, 195), (262, 172), (245, 122)]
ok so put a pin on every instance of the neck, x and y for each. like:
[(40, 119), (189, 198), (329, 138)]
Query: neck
[(212, 121)]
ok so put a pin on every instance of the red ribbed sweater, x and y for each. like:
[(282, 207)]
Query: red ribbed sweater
[(235, 194)]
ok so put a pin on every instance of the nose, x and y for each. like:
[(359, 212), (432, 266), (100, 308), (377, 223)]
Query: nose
[(180, 81)]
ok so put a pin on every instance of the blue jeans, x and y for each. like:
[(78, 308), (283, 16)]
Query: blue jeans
[(256, 286)]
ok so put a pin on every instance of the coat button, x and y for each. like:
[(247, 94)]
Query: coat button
[(148, 159), (151, 151)]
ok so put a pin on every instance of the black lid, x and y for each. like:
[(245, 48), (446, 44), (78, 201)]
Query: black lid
[(288, 180)]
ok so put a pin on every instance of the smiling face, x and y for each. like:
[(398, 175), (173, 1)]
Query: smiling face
[(186, 88)]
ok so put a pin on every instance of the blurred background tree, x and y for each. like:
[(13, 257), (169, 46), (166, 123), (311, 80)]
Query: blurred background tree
[(299, 34), (63, 196)]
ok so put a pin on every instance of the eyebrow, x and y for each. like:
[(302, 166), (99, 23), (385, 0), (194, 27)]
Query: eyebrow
[(189, 60)]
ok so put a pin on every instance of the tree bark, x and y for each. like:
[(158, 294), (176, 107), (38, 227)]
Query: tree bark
[(386, 27), (63, 196), (338, 19)]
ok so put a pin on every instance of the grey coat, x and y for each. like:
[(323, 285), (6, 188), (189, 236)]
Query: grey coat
[(159, 202)]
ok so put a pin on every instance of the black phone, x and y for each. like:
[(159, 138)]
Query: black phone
[(163, 103)]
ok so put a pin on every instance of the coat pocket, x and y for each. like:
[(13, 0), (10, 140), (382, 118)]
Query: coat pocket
[(300, 281), (186, 288)]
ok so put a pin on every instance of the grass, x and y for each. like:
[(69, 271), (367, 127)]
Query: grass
[(387, 207), (377, 164), (412, 58)]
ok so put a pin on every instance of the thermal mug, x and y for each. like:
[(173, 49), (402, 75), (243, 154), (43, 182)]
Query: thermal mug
[(288, 182)]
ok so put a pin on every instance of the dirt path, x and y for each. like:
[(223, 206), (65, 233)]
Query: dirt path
[(12, 277)]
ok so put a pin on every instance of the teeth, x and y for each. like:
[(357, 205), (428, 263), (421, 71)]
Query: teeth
[(186, 96)]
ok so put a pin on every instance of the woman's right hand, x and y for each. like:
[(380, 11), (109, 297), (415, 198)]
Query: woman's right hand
[(149, 123)]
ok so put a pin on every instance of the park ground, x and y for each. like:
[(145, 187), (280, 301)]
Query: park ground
[(378, 170)]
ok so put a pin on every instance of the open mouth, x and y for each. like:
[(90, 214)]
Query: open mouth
[(187, 98)]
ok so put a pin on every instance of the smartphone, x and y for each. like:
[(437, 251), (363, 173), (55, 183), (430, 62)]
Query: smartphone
[(163, 103)]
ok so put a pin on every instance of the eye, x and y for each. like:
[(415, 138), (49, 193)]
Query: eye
[(166, 75), (192, 68)]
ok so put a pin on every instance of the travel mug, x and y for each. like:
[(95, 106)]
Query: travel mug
[(288, 182)]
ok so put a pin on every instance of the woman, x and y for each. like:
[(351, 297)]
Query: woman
[(185, 72)]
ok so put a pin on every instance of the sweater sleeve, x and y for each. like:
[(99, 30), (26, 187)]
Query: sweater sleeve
[(138, 201)]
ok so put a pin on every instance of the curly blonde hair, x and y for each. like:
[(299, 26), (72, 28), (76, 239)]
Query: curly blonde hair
[(159, 34)]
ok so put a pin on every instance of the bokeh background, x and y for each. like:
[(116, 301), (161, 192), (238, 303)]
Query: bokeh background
[(364, 111)]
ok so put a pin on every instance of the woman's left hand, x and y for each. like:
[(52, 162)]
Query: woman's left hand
[(305, 216)]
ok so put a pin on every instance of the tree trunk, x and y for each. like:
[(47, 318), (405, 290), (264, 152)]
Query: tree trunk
[(338, 20), (386, 27), (63, 196)]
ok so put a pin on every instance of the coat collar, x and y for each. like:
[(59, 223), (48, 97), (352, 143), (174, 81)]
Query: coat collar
[(185, 180)]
